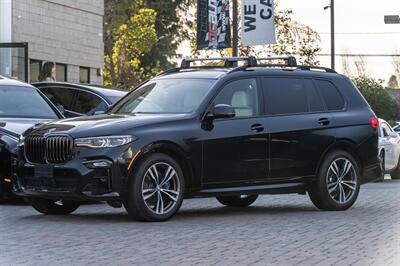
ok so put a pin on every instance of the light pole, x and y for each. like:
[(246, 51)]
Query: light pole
[(392, 19), (332, 7), (235, 38)]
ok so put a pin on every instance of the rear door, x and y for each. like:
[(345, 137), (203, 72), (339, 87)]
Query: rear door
[(300, 129)]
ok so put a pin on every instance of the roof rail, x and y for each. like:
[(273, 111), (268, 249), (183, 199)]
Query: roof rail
[(228, 61), (309, 68)]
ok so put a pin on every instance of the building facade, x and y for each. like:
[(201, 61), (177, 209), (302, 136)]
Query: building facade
[(68, 33)]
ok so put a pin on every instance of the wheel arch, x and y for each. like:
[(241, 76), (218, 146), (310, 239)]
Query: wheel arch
[(346, 146), (174, 151)]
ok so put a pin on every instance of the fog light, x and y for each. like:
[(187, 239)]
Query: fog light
[(98, 164), (7, 180)]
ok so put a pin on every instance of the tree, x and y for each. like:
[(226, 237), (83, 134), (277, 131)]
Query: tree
[(378, 98), (128, 38), (293, 38), (393, 83)]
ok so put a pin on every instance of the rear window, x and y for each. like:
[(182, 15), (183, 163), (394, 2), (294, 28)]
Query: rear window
[(332, 97)]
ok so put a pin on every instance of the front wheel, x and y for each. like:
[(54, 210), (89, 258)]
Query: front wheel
[(237, 201), (337, 185), (54, 207), (155, 191)]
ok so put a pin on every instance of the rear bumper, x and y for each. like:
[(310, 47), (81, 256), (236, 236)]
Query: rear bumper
[(371, 173)]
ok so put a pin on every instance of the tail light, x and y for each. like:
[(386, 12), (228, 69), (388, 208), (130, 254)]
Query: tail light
[(374, 122)]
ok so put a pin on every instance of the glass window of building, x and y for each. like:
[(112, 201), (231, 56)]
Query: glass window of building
[(84, 75), (61, 72), (35, 66)]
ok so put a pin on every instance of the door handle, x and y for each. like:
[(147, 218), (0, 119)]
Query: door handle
[(257, 127), (324, 121)]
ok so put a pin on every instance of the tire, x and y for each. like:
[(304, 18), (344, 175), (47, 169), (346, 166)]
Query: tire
[(382, 159), (343, 191), (396, 173), (237, 201), (54, 207), (156, 189)]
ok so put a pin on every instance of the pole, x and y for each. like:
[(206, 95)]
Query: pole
[(235, 38), (333, 34)]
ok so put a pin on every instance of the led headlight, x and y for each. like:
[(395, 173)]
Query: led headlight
[(104, 142), (21, 141)]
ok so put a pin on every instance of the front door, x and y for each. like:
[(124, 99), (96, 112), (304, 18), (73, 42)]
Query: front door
[(235, 150)]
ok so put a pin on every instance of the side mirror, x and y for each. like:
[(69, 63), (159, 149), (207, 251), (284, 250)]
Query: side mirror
[(223, 111), (61, 109), (393, 135)]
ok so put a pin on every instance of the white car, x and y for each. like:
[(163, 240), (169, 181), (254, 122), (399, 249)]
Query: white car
[(389, 149)]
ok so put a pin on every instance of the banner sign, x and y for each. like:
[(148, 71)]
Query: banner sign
[(213, 29), (258, 24)]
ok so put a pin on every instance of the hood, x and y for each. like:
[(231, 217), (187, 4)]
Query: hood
[(103, 125), (17, 126)]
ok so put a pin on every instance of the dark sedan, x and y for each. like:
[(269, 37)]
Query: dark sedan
[(78, 99), (21, 107)]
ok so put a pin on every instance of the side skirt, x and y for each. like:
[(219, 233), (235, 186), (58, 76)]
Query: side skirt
[(287, 188)]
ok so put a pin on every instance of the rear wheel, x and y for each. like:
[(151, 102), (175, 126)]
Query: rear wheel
[(338, 184), (382, 160), (54, 207), (156, 189), (237, 201), (396, 173)]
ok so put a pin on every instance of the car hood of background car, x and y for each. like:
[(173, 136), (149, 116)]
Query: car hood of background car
[(17, 126), (102, 125)]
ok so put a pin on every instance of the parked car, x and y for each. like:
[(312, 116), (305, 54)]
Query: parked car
[(227, 132), (21, 107), (77, 99), (396, 128), (389, 150)]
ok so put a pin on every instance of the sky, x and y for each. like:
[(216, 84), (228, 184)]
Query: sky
[(360, 29)]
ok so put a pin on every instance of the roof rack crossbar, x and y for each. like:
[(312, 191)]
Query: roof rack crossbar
[(228, 61), (289, 60)]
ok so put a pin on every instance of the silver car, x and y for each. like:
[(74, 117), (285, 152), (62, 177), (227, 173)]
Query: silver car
[(389, 149)]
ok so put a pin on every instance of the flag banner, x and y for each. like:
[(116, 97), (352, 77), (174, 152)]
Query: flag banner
[(258, 22), (213, 27)]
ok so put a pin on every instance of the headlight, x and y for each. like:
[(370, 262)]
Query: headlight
[(104, 142), (21, 141)]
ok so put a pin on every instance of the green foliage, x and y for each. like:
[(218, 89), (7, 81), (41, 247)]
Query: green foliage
[(378, 98), (131, 40)]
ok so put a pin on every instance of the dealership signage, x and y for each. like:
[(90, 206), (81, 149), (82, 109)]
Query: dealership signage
[(213, 29), (258, 25)]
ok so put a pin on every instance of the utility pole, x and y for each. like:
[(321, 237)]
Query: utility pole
[(333, 34), (332, 7), (235, 38)]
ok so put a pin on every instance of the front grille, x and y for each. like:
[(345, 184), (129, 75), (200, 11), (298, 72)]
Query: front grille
[(52, 149)]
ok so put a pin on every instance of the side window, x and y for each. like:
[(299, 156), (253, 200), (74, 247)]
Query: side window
[(333, 99), (242, 95), (61, 96), (88, 103), (386, 130), (315, 103), (285, 95)]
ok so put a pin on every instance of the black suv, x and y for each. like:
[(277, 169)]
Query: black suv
[(227, 132)]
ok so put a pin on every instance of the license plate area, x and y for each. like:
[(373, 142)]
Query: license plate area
[(44, 171)]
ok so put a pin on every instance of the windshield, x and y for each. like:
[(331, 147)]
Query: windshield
[(165, 96), (24, 102)]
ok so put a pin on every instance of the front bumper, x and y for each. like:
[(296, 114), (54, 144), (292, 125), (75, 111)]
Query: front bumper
[(75, 180)]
